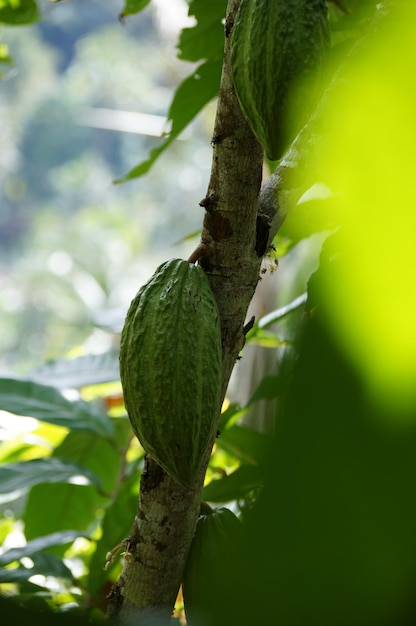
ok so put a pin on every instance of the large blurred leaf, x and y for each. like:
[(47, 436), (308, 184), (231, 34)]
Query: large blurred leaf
[(205, 40), (14, 611), (268, 388), (309, 217), (246, 444), (370, 297), (48, 404), (17, 13), (38, 545), (190, 97), (66, 505), (91, 369), (116, 527), (335, 524), (43, 563), (73, 505), (235, 486), (17, 476)]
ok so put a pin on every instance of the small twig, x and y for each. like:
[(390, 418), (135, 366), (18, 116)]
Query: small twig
[(203, 250)]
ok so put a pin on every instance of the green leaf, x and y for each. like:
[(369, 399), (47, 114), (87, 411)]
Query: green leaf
[(336, 519), (18, 476), (16, 575), (309, 217), (43, 563), (269, 388), (279, 314), (4, 54), (92, 369), (230, 415), (66, 505), (133, 6), (116, 527), (244, 443), (194, 93), (17, 12), (39, 544), (46, 403), (205, 40), (266, 339), (190, 97), (73, 505), (34, 610), (235, 486), (145, 166)]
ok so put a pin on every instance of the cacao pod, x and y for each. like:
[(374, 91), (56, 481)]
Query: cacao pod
[(210, 567), (277, 46), (170, 367)]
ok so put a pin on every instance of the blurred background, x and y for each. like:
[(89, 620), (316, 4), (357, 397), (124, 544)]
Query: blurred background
[(84, 101)]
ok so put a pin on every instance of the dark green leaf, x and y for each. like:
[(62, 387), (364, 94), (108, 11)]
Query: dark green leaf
[(268, 389), (73, 505), (70, 505), (205, 40), (15, 575), (190, 97), (91, 369), (145, 166), (17, 476), (46, 403), (44, 563), (133, 6), (116, 527), (335, 523), (235, 486), (244, 443), (39, 544), (194, 93), (307, 218), (229, 414), (22, 12)]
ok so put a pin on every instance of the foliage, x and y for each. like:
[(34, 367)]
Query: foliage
[(56, 280), (84, 470)]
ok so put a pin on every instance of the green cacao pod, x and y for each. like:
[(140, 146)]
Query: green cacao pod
[(210, 567), (170, 367), (277, 49)]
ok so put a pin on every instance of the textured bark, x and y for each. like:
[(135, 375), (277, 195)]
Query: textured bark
[(230, 224)]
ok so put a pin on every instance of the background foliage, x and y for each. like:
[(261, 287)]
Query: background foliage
[(327, 501)]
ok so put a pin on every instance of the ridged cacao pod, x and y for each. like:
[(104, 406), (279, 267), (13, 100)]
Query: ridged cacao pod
[(277, 49), (170, 367), (210, 566)]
